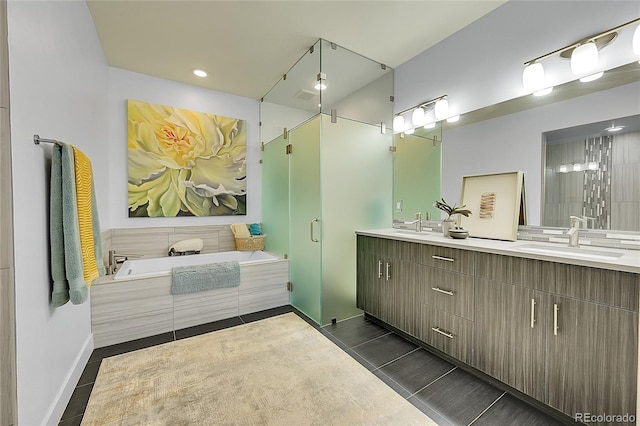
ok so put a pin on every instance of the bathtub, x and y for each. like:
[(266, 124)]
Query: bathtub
[(137, 301), (140, 268)]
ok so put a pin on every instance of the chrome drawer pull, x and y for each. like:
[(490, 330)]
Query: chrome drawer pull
[(439, 290), (444, 333), (379, 268), (533, 312), (448, 259), (555, 319)]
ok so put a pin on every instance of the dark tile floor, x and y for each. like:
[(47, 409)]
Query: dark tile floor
[(445, 393)]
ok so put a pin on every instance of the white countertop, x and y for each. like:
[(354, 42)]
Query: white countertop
[(596, 257)]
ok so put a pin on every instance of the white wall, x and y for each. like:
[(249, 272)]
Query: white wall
[(58, 83), (482, 64), (125, 85), (514, 142)]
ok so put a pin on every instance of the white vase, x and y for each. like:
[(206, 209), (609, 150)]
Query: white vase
[(446, 225)]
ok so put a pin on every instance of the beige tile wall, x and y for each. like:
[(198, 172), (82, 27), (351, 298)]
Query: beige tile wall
[(155, 242)]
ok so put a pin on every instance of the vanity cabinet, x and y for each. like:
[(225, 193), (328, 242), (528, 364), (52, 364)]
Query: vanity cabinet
[(566, 335), (563, 334)]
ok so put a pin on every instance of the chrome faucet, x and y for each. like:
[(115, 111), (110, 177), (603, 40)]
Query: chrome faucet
[(419, 222), (117, 259), (574, 230)]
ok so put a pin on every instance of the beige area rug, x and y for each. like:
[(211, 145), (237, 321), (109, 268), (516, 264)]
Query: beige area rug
[(278, 371)]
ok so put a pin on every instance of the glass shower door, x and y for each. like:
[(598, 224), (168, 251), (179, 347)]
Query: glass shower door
[(275, 196), (305, 221)]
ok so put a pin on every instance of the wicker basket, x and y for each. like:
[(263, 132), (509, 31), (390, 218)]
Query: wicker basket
[(253, 243)]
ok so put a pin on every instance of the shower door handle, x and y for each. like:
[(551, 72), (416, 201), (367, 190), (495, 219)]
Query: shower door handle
[(315, 240)]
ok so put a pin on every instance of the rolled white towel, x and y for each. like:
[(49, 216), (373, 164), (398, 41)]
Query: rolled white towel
[(194, 244)]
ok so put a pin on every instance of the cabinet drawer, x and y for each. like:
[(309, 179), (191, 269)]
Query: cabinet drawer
[(448, 291), (530, 273), (446, 258), (449, 333)]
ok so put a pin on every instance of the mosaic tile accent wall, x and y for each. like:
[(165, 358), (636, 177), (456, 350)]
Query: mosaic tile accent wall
[(596, 201)]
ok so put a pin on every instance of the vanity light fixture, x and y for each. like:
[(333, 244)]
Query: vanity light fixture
[(636, 41), (417, 117), (431, 125), (419, 114), (200, 73), (533, 77), (398, 123), (453, 118), (584, 56), (409, 131)]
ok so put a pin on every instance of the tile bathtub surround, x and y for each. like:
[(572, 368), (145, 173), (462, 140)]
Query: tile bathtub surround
[(446, 394), (155, 242)]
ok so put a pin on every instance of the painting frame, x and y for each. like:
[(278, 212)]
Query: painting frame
[(184, 163), (497, 204)]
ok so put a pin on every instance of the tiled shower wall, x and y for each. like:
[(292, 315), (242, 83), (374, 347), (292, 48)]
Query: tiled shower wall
[(155, 242), (625, 182), (610, 194)]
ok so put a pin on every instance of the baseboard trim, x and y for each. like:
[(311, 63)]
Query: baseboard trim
[(64, 395)]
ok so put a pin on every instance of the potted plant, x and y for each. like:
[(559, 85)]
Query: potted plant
[(448, 223)]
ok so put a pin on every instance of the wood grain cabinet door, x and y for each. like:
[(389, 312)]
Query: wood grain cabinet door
[(510, 335), (591, 357)]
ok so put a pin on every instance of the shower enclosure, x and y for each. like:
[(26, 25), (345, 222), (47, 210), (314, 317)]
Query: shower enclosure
[(326, 172)]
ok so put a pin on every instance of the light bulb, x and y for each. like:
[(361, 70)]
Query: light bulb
[(614, 128), (442, 109), (417, 117), (430, 125), (592, 77), (636, 41), (320, 86), (584, 58), (409, 131), (453, 118), (200, 73), (398, 123), (533, 77)]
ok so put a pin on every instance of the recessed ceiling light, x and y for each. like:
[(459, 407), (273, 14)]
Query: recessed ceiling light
[(200, 73), (614, 128)]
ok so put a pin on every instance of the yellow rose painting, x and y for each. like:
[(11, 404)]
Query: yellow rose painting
[(185, 163)]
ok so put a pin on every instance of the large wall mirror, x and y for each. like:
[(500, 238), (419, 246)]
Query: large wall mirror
[(416, 173), (593, 171)]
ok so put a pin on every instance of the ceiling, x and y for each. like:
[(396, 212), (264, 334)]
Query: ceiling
[(246, 46)]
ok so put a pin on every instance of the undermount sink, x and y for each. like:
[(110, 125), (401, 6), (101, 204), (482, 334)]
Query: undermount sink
[(570, 251)]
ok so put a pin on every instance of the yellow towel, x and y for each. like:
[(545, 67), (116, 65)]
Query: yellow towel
[(240, 230), (85, 220)]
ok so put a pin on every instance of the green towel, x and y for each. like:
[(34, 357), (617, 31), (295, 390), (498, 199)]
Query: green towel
[(66, 258), (190, 279)]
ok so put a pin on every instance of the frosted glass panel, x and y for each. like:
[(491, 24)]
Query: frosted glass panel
[(275, 196), (294, 99), (358, 88), (356, 188), (416, 177), (305, 202)]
